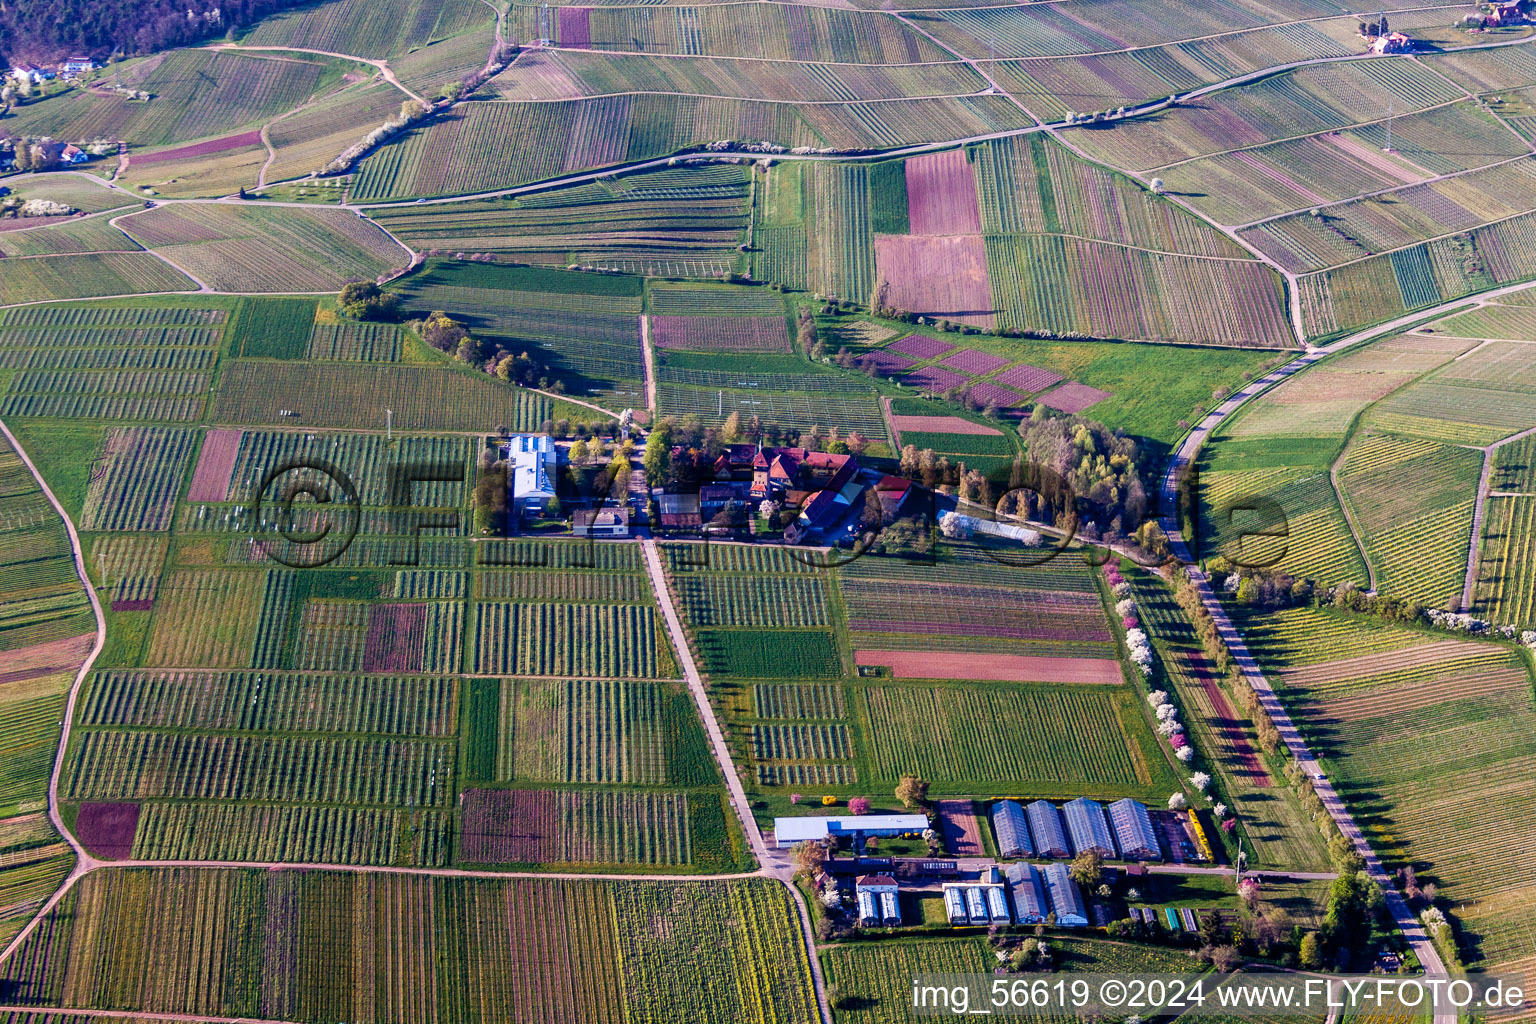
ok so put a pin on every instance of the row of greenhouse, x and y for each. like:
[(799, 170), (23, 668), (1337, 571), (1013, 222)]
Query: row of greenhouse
[(1121, 831)]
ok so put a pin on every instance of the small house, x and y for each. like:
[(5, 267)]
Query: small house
[(1011, 829), (29, 74), (898, 496), (680, 512), (882, 892), (1050, 834), (1392, 42), (1089, 828), (74, 155), (1065, 898), (600, 522)]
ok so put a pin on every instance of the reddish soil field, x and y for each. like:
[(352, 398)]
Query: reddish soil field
[(978, 364), (1073, 397), (986, 392), (210, 480), (941, 195), (962, 834), (136, 605), (107, 830), (199, 149), (396, 635), (960, 291), (919, 346), (45, 659), (720, 333), (508, 826), (1229, 727), (934, 378), (885, 360), (575, 27), (941, 425), (1028, 378), (19, 223), (1020, 668)]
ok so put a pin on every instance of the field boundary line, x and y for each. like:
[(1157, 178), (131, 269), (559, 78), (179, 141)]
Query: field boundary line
[(202, 286), (1479, 508), (381, 64), (758, 99), (649, 350), (1310, 135), (84, 862), (1349, 514), (1374, 195)]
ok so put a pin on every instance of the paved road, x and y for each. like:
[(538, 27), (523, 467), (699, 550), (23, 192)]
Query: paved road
[(1183, 457)]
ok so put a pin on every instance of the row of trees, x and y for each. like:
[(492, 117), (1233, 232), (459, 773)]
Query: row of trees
[(365, 300)]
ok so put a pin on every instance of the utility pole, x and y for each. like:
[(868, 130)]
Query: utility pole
[(389, 424)]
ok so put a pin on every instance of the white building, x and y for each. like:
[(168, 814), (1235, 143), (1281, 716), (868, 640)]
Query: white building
[(600, 522), (533, 459), (880, 892), (789, 831)]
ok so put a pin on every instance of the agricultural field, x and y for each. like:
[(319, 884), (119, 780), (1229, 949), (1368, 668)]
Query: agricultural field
[(585, 330), (195, 94), (124, 363), (336, 395), (326, 670), (582, 73), (1029, 236), (89, 276), (579, 134), (57, 238), (366, 30), (671, 222), (816, 33), (1142, 389), (999, 643), (308, 139), (876, 974), (785, 391), (267, 249), (1429, 740), (46, 633), (527, 947), (1276, 830), (1332, 446)]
